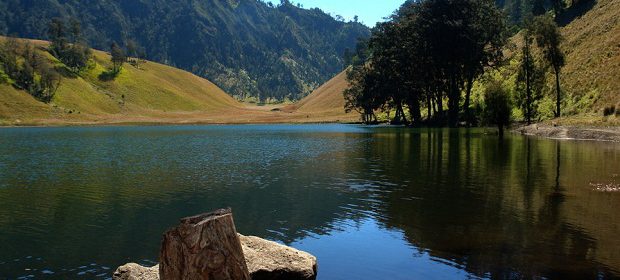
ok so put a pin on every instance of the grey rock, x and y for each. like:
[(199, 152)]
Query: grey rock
[(132, 271)]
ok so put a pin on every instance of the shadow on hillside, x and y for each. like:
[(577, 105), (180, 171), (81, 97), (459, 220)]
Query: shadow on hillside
[(108, 75), (575, 11), (65, 72)]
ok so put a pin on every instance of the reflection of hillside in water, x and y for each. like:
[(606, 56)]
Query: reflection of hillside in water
[(496, 208), (106, 197)]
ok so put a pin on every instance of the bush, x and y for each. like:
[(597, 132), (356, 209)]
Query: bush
[(4, 78), (609, 110), (497, 106)]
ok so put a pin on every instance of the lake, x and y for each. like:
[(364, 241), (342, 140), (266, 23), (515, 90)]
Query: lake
[(369, 202)]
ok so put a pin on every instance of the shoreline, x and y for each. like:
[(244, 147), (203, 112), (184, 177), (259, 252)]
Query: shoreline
[(558, 132), (578, 133)]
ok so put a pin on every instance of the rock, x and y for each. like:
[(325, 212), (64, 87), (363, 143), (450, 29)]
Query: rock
[(132, 271), (266, 260)]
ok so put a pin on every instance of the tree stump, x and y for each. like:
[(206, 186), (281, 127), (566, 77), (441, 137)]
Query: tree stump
[(203, 247)]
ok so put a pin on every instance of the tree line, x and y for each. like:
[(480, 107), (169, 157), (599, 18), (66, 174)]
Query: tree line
[(24, 67), (27, 67), (422, 64)]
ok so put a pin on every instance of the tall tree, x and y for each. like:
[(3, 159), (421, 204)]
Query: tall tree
[(549, 38), (75, 28), (530, 78), (118, 57), (57, 34)]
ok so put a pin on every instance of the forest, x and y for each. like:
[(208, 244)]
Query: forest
[(421, 66)]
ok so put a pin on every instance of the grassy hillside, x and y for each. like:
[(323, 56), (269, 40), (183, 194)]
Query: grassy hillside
[(152, 90), (155, 93), (327, 101), (590, 77), (592, 73)]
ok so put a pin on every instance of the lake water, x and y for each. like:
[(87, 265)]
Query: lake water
[(369, 202)]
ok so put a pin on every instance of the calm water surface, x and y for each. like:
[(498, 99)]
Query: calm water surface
[(370, 203)]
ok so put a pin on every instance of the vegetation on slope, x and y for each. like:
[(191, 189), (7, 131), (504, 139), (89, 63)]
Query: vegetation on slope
[(152, 90), (589, 77), (251, 49), (430, 54)]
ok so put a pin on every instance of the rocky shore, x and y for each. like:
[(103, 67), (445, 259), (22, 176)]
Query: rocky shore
[(571, 132), (266, 260)]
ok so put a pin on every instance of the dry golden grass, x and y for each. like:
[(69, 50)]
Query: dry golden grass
[(591, 77), (151, 94), (151, 91)]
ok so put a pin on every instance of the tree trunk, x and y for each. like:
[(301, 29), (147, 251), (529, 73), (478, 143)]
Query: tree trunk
[(528, 84), (203, 247), (429, 106), (468, 114), (415, 111), (558, 93), (453, 103)]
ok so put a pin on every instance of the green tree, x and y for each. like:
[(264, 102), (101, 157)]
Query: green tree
[(118, 57), (58, 37), (49, 82), (548, 39), (530, 78), (75, 55), (75, 28), (497, 106), (132, 49), (463, 37)]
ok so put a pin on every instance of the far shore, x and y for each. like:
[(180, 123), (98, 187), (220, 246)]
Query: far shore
[(591, 132)]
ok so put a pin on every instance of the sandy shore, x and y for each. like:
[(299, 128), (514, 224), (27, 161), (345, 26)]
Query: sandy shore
[(571, 132)]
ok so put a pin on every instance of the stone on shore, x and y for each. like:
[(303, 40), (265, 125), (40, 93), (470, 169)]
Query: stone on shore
[(132, 271), (266, 260)]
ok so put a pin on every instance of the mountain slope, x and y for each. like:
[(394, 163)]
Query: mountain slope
[(247, 47), (327, 101), (151, 91), (589, 79), (592, 45)]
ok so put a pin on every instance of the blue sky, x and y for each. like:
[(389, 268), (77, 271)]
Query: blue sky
[(369, 11)]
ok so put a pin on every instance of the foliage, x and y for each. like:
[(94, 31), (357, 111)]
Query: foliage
[(67, 45), (497, 106), (548, 38), (249, 48), (610, 110), (431, 51), (530, 78), (117, 56), (30, 71)]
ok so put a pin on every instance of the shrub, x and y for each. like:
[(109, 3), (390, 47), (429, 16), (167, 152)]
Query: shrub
[(609, 110), (4, 78), (497, 107)]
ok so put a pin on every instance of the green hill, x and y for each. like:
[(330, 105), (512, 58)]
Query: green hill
[(249, 48), (145, 94), (590, 77)]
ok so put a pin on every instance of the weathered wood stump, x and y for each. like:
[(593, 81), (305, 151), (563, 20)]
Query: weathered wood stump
[(203, 247)]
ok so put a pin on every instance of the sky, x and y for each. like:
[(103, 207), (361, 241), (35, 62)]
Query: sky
[(369, 11)]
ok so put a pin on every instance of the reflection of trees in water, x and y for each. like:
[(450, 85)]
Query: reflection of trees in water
[(495, 208), (492, 208)]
